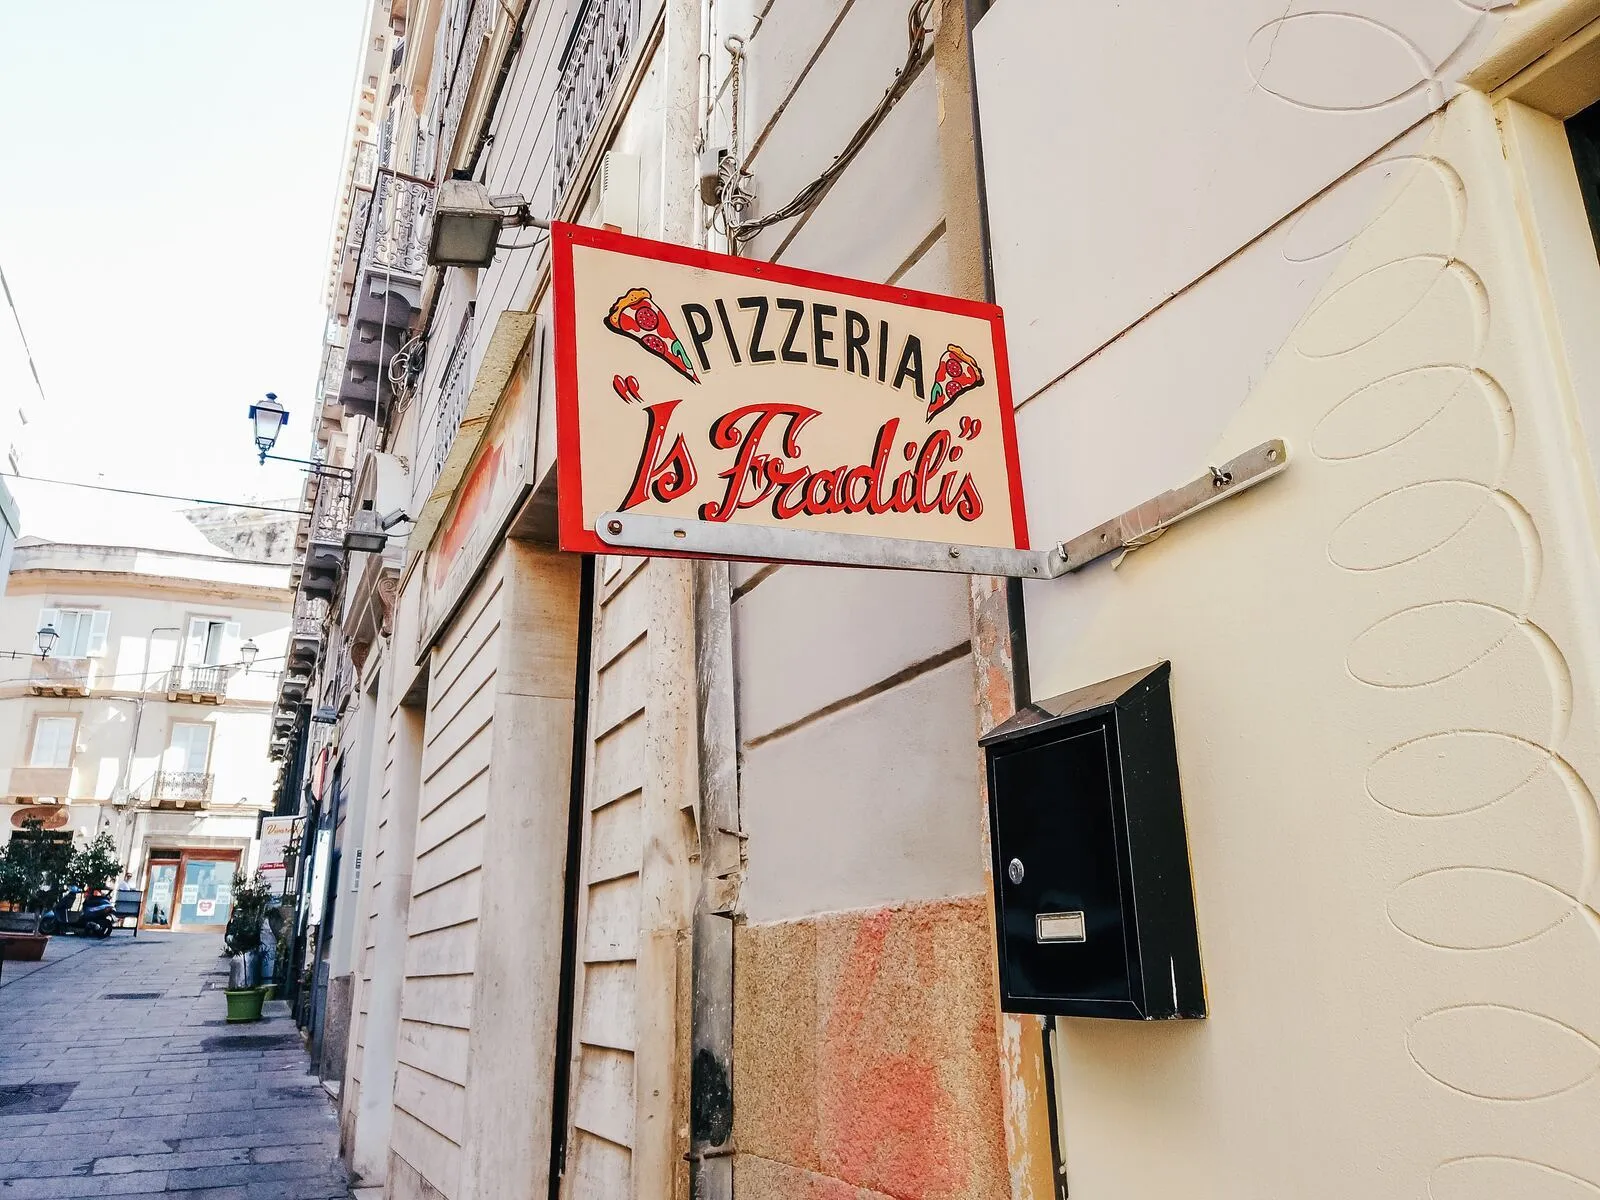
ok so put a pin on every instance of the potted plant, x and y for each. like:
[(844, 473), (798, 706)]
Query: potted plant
[(251, 896), (94, 866), (33, 864)]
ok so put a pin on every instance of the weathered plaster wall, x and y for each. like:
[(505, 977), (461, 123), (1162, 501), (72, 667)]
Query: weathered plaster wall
[(864, 1053)]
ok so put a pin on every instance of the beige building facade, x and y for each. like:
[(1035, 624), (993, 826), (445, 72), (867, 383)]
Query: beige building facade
[(675, 875), (143, 719)]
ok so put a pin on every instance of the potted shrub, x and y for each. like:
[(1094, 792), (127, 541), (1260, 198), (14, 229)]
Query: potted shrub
[(251, 896), (33, 865), (95, 866)]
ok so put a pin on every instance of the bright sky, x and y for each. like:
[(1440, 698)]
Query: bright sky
[(169, 177)]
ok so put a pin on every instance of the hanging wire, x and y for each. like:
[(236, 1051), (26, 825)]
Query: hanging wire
[(26, 349), (918, 28), (103, 487)]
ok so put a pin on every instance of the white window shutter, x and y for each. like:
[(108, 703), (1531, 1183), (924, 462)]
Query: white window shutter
[(194, 649), (50, 617), (230, 643), (98, 628)]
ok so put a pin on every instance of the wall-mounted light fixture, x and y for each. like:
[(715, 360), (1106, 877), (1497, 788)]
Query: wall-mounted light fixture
[(467, 221)]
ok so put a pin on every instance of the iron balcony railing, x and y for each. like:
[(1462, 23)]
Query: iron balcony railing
[(593, 60), (184, 787), (462, 40), (199, 679), (331, 513), (396, 235), (332, 371), (453, 391)]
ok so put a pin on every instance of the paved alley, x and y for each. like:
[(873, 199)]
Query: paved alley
[(120, 1077)]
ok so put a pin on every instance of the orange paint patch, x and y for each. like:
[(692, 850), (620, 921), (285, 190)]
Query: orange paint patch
[(888, 1075)]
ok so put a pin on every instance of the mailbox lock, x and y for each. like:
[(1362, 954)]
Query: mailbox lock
[(1014, 870)]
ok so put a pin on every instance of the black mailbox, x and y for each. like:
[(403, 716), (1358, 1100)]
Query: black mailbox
[(1093, 900)]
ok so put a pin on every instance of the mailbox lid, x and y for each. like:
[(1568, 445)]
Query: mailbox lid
[(1067, 933)]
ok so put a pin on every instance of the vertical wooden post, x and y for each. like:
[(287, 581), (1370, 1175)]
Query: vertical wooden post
[(996, 660)]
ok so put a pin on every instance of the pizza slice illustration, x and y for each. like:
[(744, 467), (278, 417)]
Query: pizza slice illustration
[(636, 315), (958, 372)]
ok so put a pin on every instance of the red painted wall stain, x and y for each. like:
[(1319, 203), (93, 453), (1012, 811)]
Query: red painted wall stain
[(886, 1116)]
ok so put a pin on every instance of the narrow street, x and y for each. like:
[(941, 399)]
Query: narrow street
[(120, 1077)]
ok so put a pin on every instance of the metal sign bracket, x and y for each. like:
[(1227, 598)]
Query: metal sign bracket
[(1136, 527)]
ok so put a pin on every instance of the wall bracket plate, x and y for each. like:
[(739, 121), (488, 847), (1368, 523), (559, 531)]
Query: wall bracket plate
[(1136, 527)]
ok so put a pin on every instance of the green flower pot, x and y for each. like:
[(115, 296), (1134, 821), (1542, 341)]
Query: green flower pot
[(244, 1005), (268, 990)]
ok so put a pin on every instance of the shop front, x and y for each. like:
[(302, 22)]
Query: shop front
[(188, 891)]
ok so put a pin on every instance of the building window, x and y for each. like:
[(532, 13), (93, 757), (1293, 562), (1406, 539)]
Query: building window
[(189, 752), (1583, 134), (53, 739), (80, 632), (212, 642)]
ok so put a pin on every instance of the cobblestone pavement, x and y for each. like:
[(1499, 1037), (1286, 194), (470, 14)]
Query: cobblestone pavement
[(156, 1096)]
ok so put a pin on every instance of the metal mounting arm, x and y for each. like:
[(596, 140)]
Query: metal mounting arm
[(1136, 527)]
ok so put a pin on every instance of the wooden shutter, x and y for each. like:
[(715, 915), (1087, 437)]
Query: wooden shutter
[(99, 626), (194, 648)]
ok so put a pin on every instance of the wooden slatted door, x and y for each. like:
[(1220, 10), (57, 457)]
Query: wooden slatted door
[(600, 1130)]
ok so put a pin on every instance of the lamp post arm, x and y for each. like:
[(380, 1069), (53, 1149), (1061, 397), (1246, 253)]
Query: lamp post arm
[(316, 468)]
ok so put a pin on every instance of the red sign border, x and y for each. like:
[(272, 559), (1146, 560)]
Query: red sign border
[(569, 470)]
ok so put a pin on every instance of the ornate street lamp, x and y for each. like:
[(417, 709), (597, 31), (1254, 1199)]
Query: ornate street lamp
[(269, 417), (247, 654), (47, 640)]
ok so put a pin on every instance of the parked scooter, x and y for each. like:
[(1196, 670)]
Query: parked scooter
[(96, 916)]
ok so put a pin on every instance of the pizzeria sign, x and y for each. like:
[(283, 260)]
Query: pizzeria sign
[(732, 408)]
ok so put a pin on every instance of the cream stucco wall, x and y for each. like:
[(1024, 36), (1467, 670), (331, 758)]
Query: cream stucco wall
[(1384, 674), (150, 596)]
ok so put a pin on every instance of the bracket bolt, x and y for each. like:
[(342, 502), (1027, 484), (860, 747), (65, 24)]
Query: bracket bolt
[(614, 527)]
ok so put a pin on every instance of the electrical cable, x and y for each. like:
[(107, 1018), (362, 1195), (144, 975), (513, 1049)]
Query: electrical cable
[(104, 487), (26, 349), (917, 29), (98, 679)]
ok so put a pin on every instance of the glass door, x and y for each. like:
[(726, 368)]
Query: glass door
[(207, 893), (159, 895)]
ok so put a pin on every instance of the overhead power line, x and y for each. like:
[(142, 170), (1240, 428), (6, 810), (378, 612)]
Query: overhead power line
[(26, 350), (102, 487)]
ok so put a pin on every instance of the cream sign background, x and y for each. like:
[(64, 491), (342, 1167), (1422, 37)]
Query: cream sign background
[(698, 386)]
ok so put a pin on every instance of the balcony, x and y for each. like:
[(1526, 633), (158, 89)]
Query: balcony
[(325, 555), (180, 789), (39, 783), (61, 676), (593, 61), (305, 637), (387, 289), (200, 684), (292, 690)]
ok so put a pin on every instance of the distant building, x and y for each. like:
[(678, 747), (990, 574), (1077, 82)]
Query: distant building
[(149, 715), (256, 535)]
